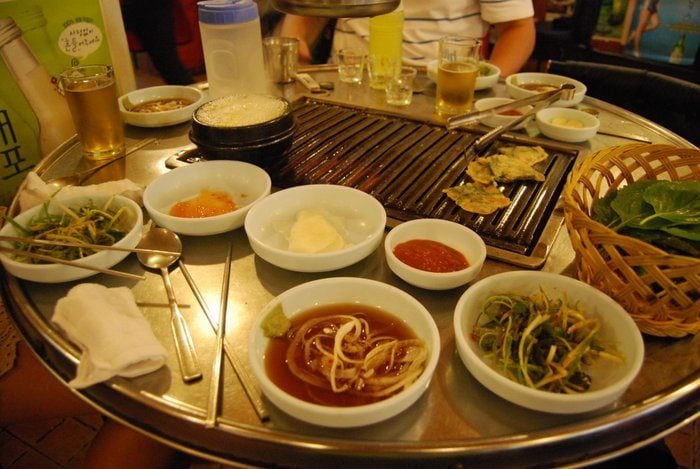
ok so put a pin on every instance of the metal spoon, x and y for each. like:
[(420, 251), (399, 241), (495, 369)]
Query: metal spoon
[(164, 239)]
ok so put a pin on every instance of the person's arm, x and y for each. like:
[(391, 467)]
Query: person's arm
[(306, 28), (514, 45)]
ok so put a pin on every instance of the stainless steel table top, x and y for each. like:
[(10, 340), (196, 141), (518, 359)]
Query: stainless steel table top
[(456, 421)]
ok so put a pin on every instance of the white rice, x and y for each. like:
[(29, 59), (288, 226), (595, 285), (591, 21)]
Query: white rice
[(241, 109)]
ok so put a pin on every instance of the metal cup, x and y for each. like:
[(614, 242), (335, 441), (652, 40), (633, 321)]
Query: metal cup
[(281, 58)]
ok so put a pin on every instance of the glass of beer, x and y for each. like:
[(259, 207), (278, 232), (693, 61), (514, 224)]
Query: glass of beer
[(458, 67), (91, 93)]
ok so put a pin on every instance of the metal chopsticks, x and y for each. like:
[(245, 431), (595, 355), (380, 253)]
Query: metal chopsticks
[(215, 383), (96, 247), (116, 273), (244, 377), (471, 117)]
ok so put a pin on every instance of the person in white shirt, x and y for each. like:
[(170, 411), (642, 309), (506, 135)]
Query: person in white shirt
[(426, 21)]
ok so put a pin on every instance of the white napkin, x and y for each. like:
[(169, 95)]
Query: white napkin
[(36, 191), (114, 337)]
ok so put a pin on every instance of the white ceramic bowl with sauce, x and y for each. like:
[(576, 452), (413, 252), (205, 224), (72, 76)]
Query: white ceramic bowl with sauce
[(449, 233), (345, 290), (356, 216), (488, 74), (495, 120), (245, 183), (58, 273), (566, 124), (609, 380), (169, 115), (518, 85)]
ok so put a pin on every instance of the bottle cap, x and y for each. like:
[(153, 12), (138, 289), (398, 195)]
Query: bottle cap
[(227, 11)]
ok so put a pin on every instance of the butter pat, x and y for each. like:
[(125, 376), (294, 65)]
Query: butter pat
[(312, 233)]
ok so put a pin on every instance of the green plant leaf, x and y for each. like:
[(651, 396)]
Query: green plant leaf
[(677, 202), (603, 213), (691, 232), (631, 207)]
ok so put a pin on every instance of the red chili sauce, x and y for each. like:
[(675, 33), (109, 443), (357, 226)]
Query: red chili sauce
[(432, 256)]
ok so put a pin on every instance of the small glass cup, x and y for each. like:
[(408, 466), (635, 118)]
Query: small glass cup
[(91, 93), (399, 87), (351, 64), (281, 58), (458, 67), (380, 68)]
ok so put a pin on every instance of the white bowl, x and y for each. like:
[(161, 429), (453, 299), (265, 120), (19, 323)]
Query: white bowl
[(344, 290), (244, 182), (495, 120), (160, 118), (610, 380), (57, 273), (358, 217), (515, 91), (452, 234), (556, 123), (488, 76)]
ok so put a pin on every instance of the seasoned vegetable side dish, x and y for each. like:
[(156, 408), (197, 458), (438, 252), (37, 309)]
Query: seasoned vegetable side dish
[(541, 342)]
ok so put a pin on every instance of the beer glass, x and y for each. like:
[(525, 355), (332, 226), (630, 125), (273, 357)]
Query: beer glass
[(458, 67), (91, 93)]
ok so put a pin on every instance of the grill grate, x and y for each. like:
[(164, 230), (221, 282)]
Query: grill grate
[(405, 164)]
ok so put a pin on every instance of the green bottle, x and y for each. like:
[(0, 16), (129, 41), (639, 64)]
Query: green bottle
[(678, 50)]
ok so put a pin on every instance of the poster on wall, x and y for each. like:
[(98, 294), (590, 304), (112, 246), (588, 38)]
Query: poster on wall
[(39, 39), (658, 30)]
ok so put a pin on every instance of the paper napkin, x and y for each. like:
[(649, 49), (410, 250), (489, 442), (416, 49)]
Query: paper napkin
[(36, 191), (114, 337)]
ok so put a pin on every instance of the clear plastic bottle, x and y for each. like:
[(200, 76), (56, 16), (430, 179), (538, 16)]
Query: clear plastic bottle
[(232, 43), (50, 108), (386, 34)]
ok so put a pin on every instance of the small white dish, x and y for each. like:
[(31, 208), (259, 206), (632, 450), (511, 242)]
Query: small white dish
[(495, 120), (358, 218), (245, 183), (566, 124), (610, 379), (449, 233), (58, 273), (159, 118), (488, 74), (344, 290), (517, 84)]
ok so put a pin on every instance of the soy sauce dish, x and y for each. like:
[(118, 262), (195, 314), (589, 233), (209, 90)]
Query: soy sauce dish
[(160, 106), (396, 354)]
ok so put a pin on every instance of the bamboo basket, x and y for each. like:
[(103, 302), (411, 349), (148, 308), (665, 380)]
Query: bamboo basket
[(661, 291)]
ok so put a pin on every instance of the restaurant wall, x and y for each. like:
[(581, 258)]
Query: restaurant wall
[(58, 34), (665, 31)]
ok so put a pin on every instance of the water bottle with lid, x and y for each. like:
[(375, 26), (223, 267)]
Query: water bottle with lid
[(232, 44)]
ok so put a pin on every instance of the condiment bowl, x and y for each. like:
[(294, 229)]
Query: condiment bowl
[(345, 290), (451, 234), (169, 115), (255, 128), (518, 85), (58, 273), (358, 218), (618, 332), (566, 124), (488, 74), (495, 120), (246, 184)]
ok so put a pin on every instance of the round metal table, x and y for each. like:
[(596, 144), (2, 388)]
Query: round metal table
[(457, 422)]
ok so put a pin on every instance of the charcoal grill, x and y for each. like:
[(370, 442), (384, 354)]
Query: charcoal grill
[(406, 163)]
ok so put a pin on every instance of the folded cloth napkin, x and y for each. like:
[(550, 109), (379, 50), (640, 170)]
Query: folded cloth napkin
[(114, 337), (36, 191)]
